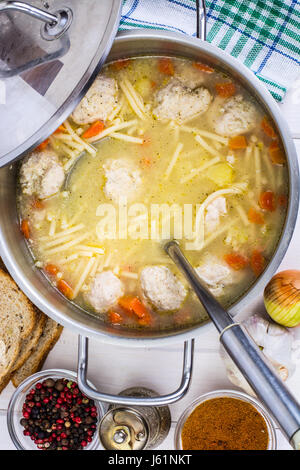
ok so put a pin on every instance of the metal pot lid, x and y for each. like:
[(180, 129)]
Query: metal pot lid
[(48, 60)]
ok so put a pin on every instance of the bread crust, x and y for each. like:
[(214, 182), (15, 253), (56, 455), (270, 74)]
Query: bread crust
[(28, 344), (11, 296), (35, 361)]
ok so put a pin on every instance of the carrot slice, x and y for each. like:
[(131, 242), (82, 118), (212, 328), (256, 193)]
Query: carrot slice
[(25, 228), (236, 261), (115, 318), (37, 204), (267, 201), (282, 200), (60, 129), (120, 64), (125, 302), (65, 289), (51, 269), (93, 130), (134, 305), (225, 90), (166, 66), (257, 262), (139, 308), (203, 67), (276, 154), (237, 142), (267, 128), (255, 217), (42, 145)]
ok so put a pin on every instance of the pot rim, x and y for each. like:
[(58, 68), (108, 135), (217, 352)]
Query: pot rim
[(267, 100)]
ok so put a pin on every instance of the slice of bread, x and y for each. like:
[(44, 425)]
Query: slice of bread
[(28, 344), (15, 307), (10, 344), (17, 320), (35, 361)]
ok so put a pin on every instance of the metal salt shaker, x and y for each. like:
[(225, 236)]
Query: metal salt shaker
[(134, 427)]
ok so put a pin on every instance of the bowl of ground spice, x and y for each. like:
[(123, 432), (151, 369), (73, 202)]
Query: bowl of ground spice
[(49, 412), (225, 420)]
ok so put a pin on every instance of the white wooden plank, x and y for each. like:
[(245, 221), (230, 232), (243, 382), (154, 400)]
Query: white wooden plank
[(5, 441)]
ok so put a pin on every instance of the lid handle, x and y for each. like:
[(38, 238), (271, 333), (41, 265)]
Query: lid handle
[(56, 24), (30, 10)]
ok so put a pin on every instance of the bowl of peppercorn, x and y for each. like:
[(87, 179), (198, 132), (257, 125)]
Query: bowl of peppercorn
[(49, 412)]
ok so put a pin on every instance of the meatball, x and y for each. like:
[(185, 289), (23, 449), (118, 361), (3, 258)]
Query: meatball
[(41, 174), (162, 288), (178, 102), (235, 117), (189, 75), (122, 180), (216, 274), (105, 290), (214, 211), (98, 103)]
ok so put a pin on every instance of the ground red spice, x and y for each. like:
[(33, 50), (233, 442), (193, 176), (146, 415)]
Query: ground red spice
[(225, 424)]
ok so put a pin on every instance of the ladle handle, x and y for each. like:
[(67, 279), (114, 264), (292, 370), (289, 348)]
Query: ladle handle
[(244, 352), (160, 400), (264, 381)]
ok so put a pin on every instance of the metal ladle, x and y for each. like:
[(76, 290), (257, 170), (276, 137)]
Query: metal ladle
[(245, 354)]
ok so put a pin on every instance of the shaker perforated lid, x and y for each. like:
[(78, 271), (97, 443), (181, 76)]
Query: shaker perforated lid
[(50, 52)]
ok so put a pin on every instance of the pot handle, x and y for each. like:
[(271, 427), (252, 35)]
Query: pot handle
[(201, 19), (188, 355)]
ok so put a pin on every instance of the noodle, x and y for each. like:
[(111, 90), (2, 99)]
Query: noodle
[(207, 147), (203, 133), (173, 161), (196, 171)]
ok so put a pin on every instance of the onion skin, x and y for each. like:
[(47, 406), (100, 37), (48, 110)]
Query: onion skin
[(282, 298)]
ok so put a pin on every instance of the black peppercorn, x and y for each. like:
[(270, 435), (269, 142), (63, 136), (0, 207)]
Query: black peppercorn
[(55, 416)]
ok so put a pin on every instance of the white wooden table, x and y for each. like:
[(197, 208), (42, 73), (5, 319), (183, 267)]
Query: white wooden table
[(113, 369)]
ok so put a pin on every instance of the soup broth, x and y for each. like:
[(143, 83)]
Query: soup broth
[(177, 150)]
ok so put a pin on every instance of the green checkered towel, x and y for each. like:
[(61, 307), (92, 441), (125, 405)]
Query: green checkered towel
[(263, 34)]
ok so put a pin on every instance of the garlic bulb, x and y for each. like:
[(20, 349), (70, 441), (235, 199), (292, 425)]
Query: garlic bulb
[(282, 298), (277, 344)]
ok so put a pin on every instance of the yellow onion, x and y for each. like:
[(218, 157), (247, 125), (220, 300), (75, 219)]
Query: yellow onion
[(282, 298)]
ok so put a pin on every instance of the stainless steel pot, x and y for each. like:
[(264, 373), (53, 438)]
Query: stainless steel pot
[(19, 261)]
